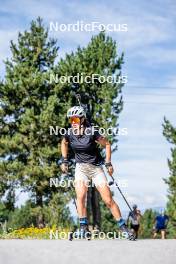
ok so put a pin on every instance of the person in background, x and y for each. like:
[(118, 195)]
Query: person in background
[(161, 222), (134, 218)]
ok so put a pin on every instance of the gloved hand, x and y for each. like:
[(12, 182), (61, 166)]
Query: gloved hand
[(109, 168), (64, 165)]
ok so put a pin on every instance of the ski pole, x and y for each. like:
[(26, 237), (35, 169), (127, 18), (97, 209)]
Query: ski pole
[(114, 182), (74, 200)]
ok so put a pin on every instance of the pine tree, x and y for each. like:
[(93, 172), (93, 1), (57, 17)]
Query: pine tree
[(169, 131), (29, 105), (147, 223)]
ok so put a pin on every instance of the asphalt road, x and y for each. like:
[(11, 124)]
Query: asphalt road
[(87, 252)]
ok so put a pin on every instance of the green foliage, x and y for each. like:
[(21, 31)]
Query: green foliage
[(29, 106), (147, 223), (28, 152), (56, 213), (4, 212), (169, 131), (22, 217)]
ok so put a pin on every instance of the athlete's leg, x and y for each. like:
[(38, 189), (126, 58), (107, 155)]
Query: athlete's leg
[(154, 235), (106, 195), (136, 230), (101, 183), (163, 234), (155, 232), (104, 190), (81, 192), (133, 229), (81, 186), (136, 233)]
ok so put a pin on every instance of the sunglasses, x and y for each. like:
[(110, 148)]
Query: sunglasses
[(74, 119)]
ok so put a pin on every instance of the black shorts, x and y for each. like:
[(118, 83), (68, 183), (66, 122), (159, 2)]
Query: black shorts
[(134, 227), (157, 230)]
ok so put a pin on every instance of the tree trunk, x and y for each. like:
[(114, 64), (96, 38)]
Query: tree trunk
[(39, 204), (93, 207)]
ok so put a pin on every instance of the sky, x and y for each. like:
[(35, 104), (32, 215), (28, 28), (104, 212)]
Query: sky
[(149, 46)]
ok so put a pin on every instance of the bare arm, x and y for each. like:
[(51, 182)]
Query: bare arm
[(64, 152), (167, 222), (105, 143), (64, 148), (139, 215)]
